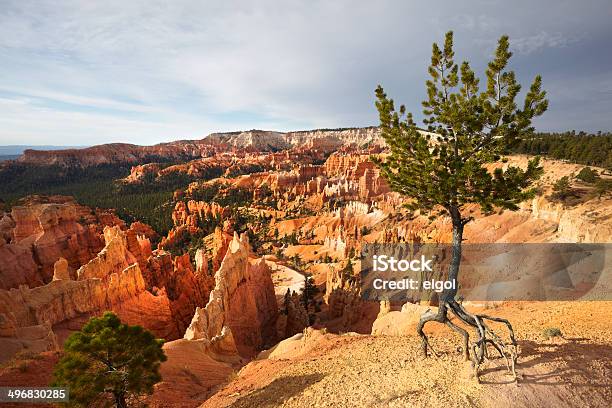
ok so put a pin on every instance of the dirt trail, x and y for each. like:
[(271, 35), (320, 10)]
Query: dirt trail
[(383, 371)]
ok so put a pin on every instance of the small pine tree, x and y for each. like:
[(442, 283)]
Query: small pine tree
[(309, 290), (587, 175), (286, 301), (109, 361), (347, 271), (448, 168), (603, 187), (297, 261), (562, 189), (351, 253)]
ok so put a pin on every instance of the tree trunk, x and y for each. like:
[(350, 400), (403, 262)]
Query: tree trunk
[(120, 401), (453, 269), (486, 335)]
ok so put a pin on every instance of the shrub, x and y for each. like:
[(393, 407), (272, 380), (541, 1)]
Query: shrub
[(587, 175), (551, 332), (562, 189), (603, 187)]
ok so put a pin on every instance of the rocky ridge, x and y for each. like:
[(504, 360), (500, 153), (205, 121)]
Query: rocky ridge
[(156, 290), (35, 235), (242, 310), (247, 141)]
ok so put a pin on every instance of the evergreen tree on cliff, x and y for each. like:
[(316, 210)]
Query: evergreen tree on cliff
[(109, 363), (443, 171)]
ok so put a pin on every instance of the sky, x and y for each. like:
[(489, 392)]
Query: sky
[(91, 72)]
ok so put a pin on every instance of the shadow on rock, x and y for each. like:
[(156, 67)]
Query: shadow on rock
[(278, 391)]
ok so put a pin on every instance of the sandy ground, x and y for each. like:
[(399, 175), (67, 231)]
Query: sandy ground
[(383, 371)]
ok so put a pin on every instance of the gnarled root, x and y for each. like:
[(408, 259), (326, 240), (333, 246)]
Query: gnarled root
[(485, 335)]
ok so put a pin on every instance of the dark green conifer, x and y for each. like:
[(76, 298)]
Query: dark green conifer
[(109, 363), (448, 167)]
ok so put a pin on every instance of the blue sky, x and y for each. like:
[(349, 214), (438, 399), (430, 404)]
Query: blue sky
[(90, 72)]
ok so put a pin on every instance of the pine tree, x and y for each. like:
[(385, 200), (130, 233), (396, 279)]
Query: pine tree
[(287, 301), (587, 175), (443, 170), (309, 290), (347, 271), (108, 361), (603, 187), (562, 189)]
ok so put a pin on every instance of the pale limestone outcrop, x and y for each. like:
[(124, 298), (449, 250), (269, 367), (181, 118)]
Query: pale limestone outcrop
[(242, 302), (201, 262), (589, 222), (353, 136), (252, 140)]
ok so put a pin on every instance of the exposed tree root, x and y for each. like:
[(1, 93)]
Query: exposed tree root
[(478, 352)]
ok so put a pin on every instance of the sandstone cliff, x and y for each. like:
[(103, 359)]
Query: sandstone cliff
[(37, 235), (108, 282), (115, 153), (242, 303), (156, 291)]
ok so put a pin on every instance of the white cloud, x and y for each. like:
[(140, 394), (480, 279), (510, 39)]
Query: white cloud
[(85, 69), (85, 101), (543, 39)]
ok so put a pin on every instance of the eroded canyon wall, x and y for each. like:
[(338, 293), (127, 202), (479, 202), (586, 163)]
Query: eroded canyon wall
[(242, 303), (35, 236)]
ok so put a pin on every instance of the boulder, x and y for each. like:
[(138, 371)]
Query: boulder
[(401, 323)]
